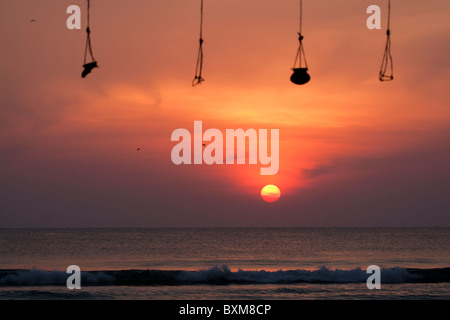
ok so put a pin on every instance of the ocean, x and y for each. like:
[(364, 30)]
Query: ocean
[(225, 263)]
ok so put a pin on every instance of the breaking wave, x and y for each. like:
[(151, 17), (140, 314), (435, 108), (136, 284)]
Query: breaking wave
[(220, 276)]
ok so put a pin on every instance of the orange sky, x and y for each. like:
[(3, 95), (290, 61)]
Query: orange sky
[(353, 150)]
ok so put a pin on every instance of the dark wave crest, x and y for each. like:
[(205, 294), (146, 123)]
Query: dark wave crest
[(220, 276)]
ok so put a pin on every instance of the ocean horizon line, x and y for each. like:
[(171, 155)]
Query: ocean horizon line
[(229, 227)]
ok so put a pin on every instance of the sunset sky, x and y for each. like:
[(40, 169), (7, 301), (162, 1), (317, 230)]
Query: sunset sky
[(354, 151)]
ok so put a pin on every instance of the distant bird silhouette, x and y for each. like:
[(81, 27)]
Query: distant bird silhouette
[(138, 149), (32, 20)]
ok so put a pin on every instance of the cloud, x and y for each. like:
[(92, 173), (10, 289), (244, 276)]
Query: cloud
[(317, 171)]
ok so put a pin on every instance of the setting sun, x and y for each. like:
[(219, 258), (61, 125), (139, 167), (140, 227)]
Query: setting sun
[(270, 193)]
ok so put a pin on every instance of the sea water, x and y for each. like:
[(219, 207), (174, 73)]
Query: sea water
[(225, 263)]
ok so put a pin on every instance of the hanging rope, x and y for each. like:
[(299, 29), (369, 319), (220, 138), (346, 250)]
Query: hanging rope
[(387, 64), (300, 52), (88, 66), (198, 69), (300, 75)]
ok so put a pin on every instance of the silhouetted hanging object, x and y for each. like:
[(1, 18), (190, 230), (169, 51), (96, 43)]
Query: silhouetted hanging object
[(199, 67), (300, 75), (387, 67), (88, 66)]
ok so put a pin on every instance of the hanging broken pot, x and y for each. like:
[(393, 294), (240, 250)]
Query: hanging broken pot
[(300, 68), (300, 76), (88, 68)]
